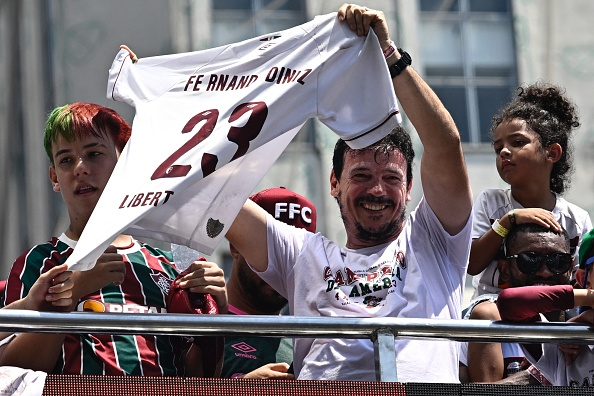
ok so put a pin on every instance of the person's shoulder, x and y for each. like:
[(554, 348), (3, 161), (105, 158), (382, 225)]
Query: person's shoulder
[(54, 248), (495, 193), (282, 227), (572, 211), (492, 201), (562, 203)]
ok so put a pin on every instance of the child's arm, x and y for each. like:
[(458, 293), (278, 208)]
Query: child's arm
[(52, 289), (582, 298), (572, 351), (521, 304), (484, 249)]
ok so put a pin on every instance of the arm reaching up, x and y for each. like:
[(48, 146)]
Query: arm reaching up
[(447, 192)]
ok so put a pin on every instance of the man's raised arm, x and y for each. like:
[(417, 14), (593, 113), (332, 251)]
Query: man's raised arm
[(443, 171), (248, 235)]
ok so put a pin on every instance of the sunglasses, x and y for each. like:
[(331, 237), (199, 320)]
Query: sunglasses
[(530, 262)]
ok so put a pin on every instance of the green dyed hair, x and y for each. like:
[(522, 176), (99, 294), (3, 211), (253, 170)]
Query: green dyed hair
[(80, 119)]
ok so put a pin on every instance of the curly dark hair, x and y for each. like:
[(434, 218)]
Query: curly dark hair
[(397, 139), (547, 111)]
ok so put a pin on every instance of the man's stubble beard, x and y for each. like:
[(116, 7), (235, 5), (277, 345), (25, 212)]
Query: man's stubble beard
[(385, 234)]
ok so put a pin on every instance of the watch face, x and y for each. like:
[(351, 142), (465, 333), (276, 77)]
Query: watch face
[(405, 56), (402, 63)]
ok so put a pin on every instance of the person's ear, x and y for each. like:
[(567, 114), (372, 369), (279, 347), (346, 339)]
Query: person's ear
[(504, 269), (54, 179), (554, 152), (580, 276), (334, 185), (408, 190), (234, 252)]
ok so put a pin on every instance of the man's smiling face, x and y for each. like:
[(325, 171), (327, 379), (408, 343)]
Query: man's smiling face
[(372, 194)]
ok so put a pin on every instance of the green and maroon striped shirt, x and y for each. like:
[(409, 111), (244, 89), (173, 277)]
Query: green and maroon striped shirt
[(149, 273)]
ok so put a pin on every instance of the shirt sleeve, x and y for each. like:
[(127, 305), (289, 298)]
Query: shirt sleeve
[(521, 304), (356, 97), (284, 246), (22, 276), (480, 219)]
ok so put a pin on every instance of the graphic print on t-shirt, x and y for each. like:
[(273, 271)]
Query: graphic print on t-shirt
[(367, 288)]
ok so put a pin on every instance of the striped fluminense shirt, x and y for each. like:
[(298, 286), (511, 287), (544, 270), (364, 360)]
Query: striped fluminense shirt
[(149, 273)]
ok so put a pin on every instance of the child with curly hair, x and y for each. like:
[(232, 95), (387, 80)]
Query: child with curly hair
[(532, 141)]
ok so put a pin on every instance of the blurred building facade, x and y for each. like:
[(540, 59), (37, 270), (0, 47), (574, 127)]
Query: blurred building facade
[(472, 52)]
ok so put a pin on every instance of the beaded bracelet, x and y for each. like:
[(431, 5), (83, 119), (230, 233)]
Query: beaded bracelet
[(511, 217), (499, 229)]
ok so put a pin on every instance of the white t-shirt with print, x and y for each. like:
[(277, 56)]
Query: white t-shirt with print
[(552, 365), (418, 275)]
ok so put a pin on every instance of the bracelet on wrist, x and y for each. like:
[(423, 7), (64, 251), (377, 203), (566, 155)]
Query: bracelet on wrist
[(511, 216), (499, 229), (390, 50)]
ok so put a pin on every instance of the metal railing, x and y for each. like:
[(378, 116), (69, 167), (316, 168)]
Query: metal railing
[(382, 331)]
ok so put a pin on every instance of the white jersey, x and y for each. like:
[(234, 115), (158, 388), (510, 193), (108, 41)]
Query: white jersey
[(418, 275), (493, 204), (210, 123), (552, 365)]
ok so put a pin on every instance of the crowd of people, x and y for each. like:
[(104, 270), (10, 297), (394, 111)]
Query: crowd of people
[(530, 250)]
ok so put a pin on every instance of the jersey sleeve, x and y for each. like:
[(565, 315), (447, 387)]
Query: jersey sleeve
[(586, 227), (356, 98), (23, 274), (456, 247), (480, 218), (133, 82), (587, 223), (520, 304), (117, 87), (27, 268)]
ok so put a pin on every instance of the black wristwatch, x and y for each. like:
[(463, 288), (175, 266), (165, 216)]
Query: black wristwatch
[(402, 63)]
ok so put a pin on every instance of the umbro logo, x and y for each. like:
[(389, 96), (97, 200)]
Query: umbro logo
[(244, 347)]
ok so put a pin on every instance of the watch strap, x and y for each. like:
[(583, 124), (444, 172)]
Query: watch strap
[(402, 63)]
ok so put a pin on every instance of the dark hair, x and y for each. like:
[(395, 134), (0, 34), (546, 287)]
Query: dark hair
[(397, 139), (527, 228), (82, 119), (548, 112)]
